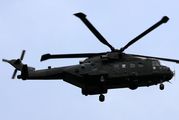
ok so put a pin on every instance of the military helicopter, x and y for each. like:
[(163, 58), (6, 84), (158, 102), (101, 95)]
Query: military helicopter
[(102, 71)]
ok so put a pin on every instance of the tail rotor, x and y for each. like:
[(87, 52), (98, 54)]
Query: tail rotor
[(21, 58), (15, 62)]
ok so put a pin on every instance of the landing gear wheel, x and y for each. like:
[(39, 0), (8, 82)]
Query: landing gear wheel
[(161, 86), (101, 98)]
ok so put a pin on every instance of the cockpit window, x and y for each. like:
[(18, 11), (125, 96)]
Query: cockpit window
[(155, 63)]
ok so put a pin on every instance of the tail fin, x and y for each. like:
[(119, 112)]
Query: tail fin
[(24, 73)]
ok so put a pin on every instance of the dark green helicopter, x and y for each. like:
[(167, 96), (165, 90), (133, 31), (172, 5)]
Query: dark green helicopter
[(103, 71)]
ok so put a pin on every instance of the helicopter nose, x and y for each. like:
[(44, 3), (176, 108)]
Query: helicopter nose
[(171, 74)]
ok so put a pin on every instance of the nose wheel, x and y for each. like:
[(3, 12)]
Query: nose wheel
[(101, 98), (161, 86)]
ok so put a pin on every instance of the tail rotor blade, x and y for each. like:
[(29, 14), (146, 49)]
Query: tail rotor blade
[(14, 74), (22, 55), (4, 60)]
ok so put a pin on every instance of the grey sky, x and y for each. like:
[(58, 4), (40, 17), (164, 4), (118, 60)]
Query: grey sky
[(43, 26)]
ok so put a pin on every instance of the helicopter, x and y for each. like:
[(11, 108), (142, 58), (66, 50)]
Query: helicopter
[(100, 72)]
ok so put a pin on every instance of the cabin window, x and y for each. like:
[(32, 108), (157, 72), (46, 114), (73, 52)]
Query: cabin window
[(94, 68), (123, 65), (116, 66), (132, 65), (141, 65)]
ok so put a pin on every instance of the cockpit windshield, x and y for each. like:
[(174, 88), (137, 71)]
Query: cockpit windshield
[(161, 64), (157, 63)]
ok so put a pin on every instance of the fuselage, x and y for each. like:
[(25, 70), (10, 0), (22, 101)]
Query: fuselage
[(130, 72), (97, 74)]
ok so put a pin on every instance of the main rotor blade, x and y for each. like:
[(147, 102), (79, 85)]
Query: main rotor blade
[(163, 20), (93, 30), (158, 58), (49, 56)]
